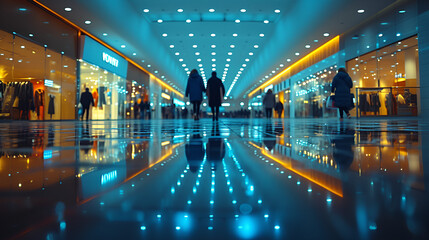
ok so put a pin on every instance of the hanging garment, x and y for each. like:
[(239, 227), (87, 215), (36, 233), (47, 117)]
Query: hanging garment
[(101, 91), (39, 100), (95, 96), (51, 108)]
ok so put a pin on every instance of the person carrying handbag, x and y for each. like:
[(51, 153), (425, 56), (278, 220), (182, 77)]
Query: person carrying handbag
[(341, 85)]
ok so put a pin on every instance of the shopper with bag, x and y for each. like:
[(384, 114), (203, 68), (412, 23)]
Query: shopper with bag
[(341, 85)]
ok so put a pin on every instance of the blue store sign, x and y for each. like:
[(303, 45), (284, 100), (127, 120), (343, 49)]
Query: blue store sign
[(97, 54)]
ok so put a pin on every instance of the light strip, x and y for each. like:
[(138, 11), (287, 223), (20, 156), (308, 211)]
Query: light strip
[(306, 57), (310, 177), (108, 46)]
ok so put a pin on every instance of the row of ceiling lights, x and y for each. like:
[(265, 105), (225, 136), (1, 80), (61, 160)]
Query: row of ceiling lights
[(180, 10)]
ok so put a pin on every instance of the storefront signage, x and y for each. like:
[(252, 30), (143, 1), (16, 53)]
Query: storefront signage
[(111, 60), (49, 83), (97, 54)]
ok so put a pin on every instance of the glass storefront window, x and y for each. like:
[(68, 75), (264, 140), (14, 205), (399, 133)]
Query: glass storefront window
[(41, 80), (108, 90), (311, 93), (387, 81)]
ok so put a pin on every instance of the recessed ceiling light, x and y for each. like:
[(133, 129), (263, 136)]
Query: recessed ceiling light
[(177, 53), (246, 59), (361, 11), (183, 65), (188, 20), (266, 21), (251, 54), (164, 34), (243, 10), (134, 54), (232, 46), (230, 53), (255, 46), (104, 34), (213, 59), (146, 10), (277, 11), (213, 53), (148, 65), (380, 35), (172, 46), (181, 60), (160, 20), (228, 60), (316, 40), (326, 34), (261, 35), (197, 53), (288, 60), (191, 34), (237, 20), (180, 10), (235, 35), (402, 11), (31, 35), (67, 9), (213, 46), (200, 65), (281, 65), (213, 35), (199, 60), (211, 10), (123, 46), (227, 65), (194, 46), (87, 22), (213, 65), (244, 65), (307, 46)]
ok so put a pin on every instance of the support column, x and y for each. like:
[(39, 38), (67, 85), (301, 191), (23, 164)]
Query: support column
[(423, 8)]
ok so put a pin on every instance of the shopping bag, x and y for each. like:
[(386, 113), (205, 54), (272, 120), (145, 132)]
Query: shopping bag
[(352, 101), (330, 102)]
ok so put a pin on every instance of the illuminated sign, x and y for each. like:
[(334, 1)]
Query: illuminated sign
[(49, 83), (111, 60), (166, 96), (47, 154)]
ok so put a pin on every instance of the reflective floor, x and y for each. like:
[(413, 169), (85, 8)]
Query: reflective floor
[(236, 179)]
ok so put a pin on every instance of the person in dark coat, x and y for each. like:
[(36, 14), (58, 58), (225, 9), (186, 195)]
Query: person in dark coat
[(269, 101), (194, 150), (279, 108), (341, 85), (86, 100), (194, 90), (215, 93)]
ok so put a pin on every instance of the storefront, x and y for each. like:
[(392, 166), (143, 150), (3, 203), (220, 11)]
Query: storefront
[(311, 93), (104, 73), (36, 83), (137, 102), (387, 80)]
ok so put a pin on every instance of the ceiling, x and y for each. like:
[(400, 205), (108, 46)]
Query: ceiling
[(244, 53)]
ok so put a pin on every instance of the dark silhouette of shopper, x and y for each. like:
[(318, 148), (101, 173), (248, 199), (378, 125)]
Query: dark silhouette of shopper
[(269, 101), (341, 85), (194, 90), (86, 100), (279, 108), (215, 92)]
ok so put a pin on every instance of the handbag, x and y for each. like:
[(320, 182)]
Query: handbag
[(352, 101), (330, 102)]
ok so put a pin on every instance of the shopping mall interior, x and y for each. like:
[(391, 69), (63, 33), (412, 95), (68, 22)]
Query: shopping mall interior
[(276, 119)]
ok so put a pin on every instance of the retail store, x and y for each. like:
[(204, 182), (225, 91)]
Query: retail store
[(388, 82), (137, 102), (37, 83), (104, 73)]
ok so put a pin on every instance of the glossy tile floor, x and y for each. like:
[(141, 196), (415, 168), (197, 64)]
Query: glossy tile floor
[(236, 179)]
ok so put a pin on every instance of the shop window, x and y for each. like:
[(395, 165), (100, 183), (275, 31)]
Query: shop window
[(108, 91), (387, 80)]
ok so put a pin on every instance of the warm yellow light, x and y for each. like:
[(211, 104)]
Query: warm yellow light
[(320, 50), (165, 143), (166, 96)]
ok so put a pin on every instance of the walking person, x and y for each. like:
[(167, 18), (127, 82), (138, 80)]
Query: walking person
[(194, 90), (279, 109), (86, 100), (269, 101), (341, 85), (215, 92)]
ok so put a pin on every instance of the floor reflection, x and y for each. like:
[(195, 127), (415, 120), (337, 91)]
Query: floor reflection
[(231, 179)]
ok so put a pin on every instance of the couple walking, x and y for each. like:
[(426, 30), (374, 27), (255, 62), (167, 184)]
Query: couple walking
[(215, 92)]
